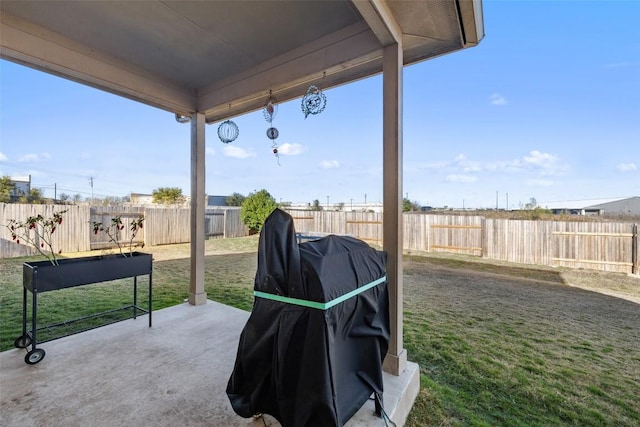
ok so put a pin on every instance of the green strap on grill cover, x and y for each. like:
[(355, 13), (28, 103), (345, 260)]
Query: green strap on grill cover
[(320, 305)]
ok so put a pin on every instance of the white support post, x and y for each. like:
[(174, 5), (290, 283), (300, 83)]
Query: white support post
[(197, 295), (396, 360)]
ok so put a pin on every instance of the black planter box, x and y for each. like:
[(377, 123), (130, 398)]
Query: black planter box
[(42, 276)]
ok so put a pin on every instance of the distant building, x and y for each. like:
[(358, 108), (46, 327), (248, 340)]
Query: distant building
[(344, 207), (216, 200), (21, 186), (140, 199), (626, 206)]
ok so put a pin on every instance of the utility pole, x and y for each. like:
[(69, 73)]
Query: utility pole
[(327, 202), (496, 200), (365, 198), (91, 183), (507, 201), (55, 191)]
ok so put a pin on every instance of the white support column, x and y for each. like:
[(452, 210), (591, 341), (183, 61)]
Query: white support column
[(396, 360), (197, 295)]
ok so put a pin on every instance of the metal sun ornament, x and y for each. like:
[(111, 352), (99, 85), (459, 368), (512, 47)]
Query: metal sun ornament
[(228, 131), (314, 102), (269, 111)]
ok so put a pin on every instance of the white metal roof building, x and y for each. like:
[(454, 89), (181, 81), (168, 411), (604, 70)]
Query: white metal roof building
[(620, 206)]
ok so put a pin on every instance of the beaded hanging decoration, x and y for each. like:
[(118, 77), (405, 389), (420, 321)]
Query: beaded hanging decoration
[(269, 111)]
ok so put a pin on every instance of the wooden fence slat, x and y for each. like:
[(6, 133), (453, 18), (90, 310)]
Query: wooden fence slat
[(594, 261), (585, 233), (456, 226)]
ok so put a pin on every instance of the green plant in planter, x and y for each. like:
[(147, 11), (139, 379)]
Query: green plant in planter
[(113, 230), (37, 231)]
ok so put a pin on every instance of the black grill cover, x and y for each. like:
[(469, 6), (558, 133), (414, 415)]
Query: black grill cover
[(308, 366)]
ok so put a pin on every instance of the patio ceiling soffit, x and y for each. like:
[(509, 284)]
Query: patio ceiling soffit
[(424, 29)]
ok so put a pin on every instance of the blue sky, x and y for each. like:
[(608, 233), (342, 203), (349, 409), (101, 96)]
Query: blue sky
[(547, 106)]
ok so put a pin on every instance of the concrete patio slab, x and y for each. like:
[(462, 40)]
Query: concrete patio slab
[(173, 374)]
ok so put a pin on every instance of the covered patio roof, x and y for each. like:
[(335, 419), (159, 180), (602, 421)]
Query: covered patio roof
[(221, 58), (206, 61)]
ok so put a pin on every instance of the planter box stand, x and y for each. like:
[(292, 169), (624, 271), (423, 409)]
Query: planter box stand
[(42, 276)]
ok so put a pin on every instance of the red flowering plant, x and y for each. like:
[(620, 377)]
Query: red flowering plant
[(113, 231), (37, 231)]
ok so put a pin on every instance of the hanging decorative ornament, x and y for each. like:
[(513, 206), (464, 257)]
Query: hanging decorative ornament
[(270, 108), (228, 131), (314, 102), (269, 111), (272, 133)]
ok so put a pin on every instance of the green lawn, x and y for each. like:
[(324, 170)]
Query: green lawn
[(496, 345)]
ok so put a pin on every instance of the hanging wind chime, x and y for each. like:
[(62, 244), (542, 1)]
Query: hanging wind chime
[(314, 102), (228, 131), (269, 111)]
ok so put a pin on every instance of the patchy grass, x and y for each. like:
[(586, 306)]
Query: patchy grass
[(497, 344), (497, 350)]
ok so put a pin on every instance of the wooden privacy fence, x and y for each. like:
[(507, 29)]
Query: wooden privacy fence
[(162, 225), (607, 246), (73, 235)]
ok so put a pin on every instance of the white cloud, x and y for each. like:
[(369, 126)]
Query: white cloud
[(461, 178), (539, 159), (3, 158), (441, 164), (539, 182), (329, 164), (618, 65), (514, 165), (548, 164), (33, 157), (497, 99), (290, 149), (623, 167), (208, 151), (237, 152)]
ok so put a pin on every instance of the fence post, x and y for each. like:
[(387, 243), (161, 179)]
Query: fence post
[(484, 238), (634, 249), (224, 223)]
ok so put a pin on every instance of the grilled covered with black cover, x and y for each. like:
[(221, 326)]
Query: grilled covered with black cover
[(311, 366)]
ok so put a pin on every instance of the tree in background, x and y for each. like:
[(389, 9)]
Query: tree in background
[(409, 206), (235, 199), (532, 204), (34, 197), (168, 196), (315, 206), (112, 201), (256, 207), (6, 188)]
